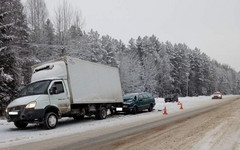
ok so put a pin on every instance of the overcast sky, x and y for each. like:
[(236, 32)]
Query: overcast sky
[(211, 25)]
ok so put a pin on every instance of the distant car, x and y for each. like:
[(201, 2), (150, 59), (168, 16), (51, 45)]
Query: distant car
[(171, 98), (217, 95), (136, 102)]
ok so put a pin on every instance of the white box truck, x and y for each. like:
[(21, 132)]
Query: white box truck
[(66, 87)]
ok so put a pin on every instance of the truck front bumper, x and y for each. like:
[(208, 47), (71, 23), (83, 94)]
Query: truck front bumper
[(19, 113)]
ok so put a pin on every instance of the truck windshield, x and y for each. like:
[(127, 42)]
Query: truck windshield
[(35, 88)]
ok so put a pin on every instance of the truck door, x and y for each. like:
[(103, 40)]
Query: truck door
[(58, 96)]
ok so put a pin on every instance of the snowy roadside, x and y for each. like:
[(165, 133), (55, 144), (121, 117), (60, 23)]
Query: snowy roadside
[(67, 126)]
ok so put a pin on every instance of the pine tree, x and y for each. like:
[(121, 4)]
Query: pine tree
[(36, 15), (97, 52), (48, 33), (140, 52), (179, 62), (164, 86), (110, 48), (130, 71), (74, 33), (13, 36)]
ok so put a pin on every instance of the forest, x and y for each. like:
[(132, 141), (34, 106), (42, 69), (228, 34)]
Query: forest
[(28, 36)]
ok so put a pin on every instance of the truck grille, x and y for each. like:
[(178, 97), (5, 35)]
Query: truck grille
[(16, 108)]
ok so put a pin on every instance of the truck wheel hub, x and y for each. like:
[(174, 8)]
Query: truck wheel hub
[(104, 113), (52, 121)]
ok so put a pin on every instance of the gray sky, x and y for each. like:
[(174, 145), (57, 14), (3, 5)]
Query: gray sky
[(211, 25)]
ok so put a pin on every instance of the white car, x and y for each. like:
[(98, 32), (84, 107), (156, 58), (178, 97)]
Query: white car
[(217, 95)]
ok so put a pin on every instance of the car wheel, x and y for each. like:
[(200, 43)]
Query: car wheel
[(50, 121), (135, 110), (150, 108), (20, 124)]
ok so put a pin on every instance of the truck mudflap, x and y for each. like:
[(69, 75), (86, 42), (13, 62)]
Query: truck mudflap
[(19, 113)]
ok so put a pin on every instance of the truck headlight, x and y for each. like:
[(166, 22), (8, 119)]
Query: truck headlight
[(31, 105)]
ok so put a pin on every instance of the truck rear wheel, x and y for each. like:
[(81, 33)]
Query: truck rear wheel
[(101, 113), (20, 124), (50, 120)]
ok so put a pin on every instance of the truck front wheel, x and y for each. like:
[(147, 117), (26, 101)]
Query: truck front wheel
[(50, 120), (20, 124)]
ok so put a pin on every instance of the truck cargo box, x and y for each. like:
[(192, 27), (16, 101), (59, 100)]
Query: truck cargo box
[(93, 83), (88, 82)]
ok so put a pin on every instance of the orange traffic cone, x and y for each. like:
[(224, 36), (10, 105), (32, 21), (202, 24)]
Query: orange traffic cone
[(165, 111), (179, 103), (181, 107)]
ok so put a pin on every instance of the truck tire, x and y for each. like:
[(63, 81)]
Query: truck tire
[(20, 124), (101, 113), (50, 120)]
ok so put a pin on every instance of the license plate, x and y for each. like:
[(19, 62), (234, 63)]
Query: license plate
[(13, 113), (119, 109)]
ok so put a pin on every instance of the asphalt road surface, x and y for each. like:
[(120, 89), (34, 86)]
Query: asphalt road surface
[(215, 127)]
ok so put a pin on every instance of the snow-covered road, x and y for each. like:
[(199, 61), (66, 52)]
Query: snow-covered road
[(213, 126), (10, 135)]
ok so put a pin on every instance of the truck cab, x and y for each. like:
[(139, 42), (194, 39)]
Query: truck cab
[(36, 100)]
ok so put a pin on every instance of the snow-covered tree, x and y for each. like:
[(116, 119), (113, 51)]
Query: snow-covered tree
[(48, 33), (13, 27), (180, 67), (74, 33), (37, 12), (13, 36), (164, 86), (108, 44)]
